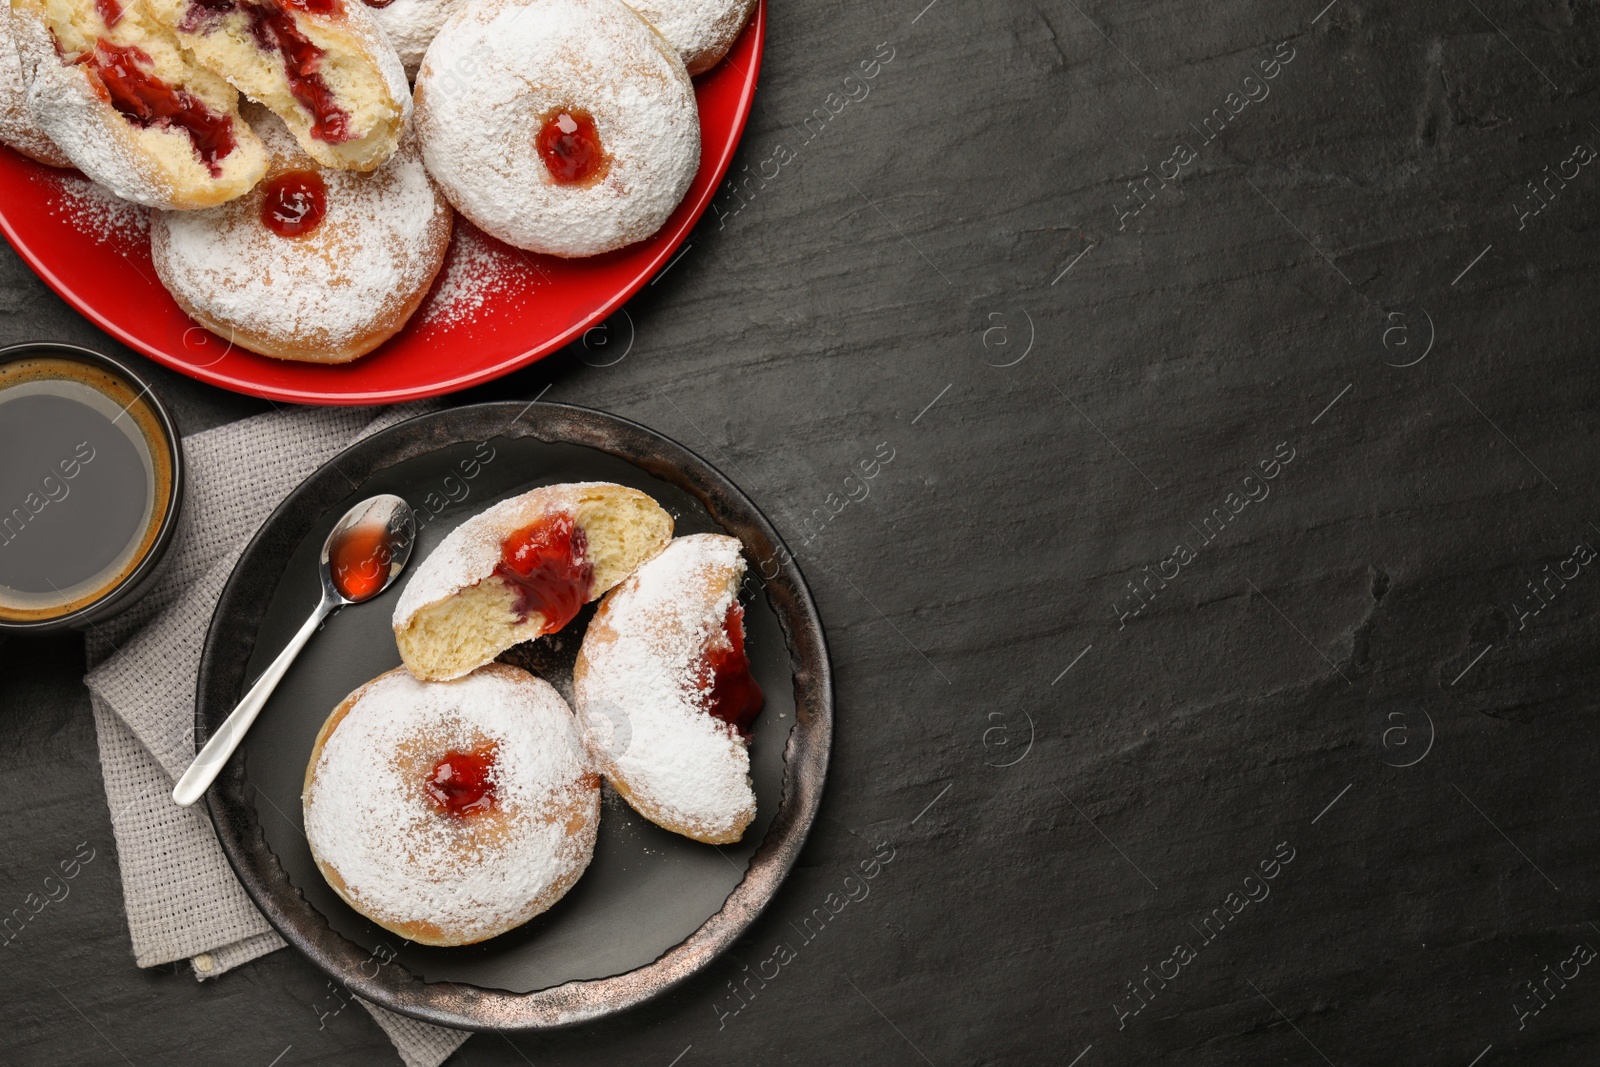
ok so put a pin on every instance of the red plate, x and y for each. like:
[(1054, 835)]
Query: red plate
[(493, 308)]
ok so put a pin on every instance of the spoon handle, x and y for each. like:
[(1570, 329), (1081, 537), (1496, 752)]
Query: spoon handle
[(208, 764)]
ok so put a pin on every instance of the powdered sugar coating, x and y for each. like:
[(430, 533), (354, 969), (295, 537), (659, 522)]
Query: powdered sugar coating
[(500, 67), (413, 24), (334, 292), (17, 128), (400, 860), (636, 691), (701, 30)]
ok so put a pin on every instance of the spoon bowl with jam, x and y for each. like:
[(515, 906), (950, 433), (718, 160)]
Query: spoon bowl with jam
[(363, 555)]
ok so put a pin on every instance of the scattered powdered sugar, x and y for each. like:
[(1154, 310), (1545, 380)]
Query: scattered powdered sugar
[(99, 212), (477, 105), (637, 692), (402, 861), (474, 275)]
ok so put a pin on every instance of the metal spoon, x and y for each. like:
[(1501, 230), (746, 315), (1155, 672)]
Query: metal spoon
[(366, 551)]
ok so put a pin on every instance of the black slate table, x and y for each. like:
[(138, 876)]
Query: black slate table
[(1215, 655)]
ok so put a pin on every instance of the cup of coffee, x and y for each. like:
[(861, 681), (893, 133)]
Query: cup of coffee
[(91, 482)]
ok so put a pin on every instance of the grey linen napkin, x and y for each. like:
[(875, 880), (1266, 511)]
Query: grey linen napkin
[(182, 899)]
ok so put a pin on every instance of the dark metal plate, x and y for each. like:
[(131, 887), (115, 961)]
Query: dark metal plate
[(653, 907)]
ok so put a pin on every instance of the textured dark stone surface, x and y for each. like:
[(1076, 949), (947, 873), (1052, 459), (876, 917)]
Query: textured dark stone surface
[(1376, 589)]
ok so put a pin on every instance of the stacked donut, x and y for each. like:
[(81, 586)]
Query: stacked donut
[(455, 798), (304, 191)]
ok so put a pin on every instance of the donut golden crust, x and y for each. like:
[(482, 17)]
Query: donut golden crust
[(521, 569), (17, 128), (701, 30), (638, 691), (483, 117), (379, 783), (329, 295), (86, 80), (323, 66)]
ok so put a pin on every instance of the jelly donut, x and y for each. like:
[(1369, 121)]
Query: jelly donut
[(521, 569), (701, 30), (118, 96), (664, 692), (313, 264), (450, 812), (324, 66), (412, 25), (17, 128), (560, 126)]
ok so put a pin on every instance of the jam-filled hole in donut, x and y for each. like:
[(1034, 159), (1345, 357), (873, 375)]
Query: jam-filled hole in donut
[(546, 564), (293, 206), (727, 688), (462, 783), (569, 144), (125, 73), (273, 29)]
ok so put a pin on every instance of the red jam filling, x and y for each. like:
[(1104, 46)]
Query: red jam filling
[(545, 563), (462, 783), (295, 204), (569, 144), (110, 11), (359, 562), (377, 3), (274, 30), (147, 101), (730, 692)]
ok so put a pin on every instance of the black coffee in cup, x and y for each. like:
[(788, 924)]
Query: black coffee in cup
[(88, 482)]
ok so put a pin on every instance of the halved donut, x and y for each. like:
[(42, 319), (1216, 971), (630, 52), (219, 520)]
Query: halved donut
[(120, 98), (17, 128), (323, 66), (663, 688), (449, 812), (521, 569)]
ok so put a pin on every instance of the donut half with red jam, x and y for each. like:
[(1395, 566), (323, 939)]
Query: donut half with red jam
[(520, 570), (324, 66), (112, 88), (664, 690)]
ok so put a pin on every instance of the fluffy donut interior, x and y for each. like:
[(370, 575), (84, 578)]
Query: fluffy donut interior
[(78, 25), (451, 637), (227, 36)]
